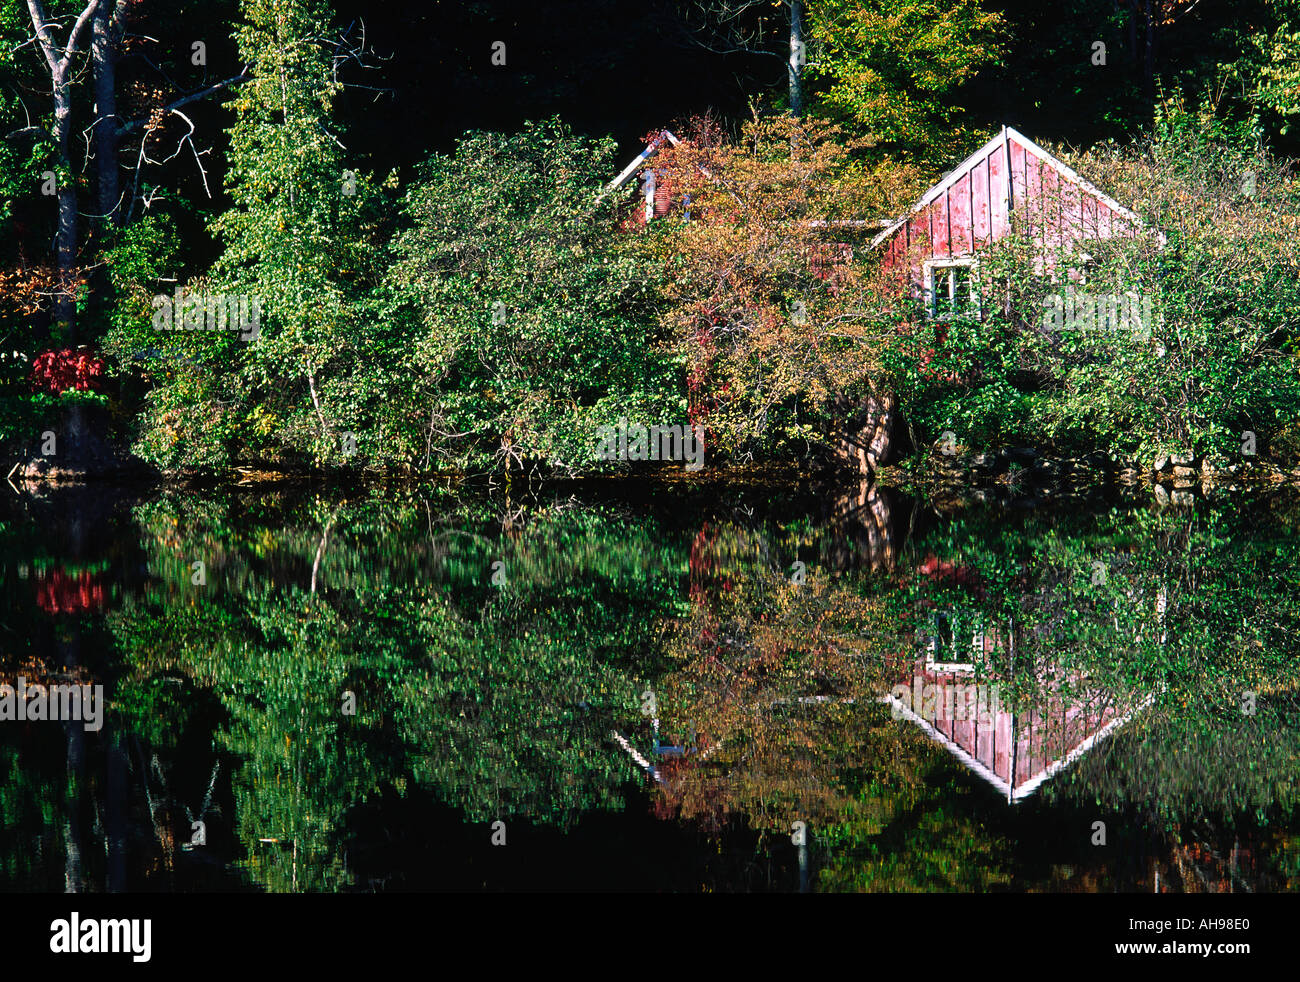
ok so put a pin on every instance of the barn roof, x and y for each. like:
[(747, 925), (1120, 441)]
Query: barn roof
[(1017, 754), (640, 159), (1006, 136)]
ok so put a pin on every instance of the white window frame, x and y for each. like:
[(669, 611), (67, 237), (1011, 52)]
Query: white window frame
[(932, 650), (933, 267)]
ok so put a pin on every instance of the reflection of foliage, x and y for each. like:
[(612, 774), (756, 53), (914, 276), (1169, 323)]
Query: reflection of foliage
[(32, 795), (1226, 767), (1194, 609), (772, 676), (895, 813), (496, 696), (920, 832)]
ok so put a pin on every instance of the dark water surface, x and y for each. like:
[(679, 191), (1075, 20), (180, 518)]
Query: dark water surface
[(650, 688)]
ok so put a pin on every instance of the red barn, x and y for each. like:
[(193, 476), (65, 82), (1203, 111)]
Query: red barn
[(657, 194), (1009, 180)]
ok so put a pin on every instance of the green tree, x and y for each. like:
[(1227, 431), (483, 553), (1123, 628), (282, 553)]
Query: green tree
[(298, 246), (531, 321), (894, 69)]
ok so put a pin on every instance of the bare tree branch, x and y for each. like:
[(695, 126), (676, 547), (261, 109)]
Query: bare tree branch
[(45, 34), (135, 124)]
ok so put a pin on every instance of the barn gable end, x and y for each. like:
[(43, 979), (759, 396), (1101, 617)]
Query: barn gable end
[(1010, 178), (657, 194)]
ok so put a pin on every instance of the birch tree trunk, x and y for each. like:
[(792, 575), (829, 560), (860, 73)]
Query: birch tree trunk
[(60, 65), (797, 57)]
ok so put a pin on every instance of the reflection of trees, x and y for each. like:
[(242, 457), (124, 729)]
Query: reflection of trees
[(1190, 608), (497, 697), (772, 676), (781, 681), (776, 680), (863, 528)]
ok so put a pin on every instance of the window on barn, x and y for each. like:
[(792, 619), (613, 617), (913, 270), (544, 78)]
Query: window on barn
[(951, 289)]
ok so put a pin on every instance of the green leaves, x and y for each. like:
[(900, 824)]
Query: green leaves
[(531, 318), (893, 68)]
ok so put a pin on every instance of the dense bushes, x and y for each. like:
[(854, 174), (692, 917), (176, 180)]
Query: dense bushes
[(528, 321), (507, 309)]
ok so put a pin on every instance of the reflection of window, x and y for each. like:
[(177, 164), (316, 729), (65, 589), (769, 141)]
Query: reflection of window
[(956, 641), (950, 289)]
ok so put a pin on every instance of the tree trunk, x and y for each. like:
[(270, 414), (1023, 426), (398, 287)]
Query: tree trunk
[(60, 65), (74, 880), (104, 56), (797, 57), (866, 433), (1133, 36), (1151, 9), (116, 808), (66, 239)]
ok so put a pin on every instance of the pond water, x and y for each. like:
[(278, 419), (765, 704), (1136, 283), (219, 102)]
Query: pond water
[(649, 687)]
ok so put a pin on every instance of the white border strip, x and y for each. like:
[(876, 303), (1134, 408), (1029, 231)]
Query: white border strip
[(1049, 772), (635, 754), (982, 770)]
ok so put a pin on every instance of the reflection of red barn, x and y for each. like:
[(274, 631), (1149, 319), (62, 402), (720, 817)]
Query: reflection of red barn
[(1014, 751), (62, 593), (1008, 181)]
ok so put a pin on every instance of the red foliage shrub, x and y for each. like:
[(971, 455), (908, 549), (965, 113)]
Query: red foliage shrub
[(58, 371), (945, 573)]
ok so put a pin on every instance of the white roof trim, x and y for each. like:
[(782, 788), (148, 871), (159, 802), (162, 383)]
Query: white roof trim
[(1070, 175), (977, 766), (982, 770), (640, 159), (637, 759), (1007, 133), (1033, 783)]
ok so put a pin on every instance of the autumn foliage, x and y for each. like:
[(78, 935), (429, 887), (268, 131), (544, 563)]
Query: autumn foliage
[(765, 295), (58, 371)]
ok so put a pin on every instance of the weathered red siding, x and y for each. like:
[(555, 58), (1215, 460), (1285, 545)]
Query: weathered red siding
[(1008, 181)]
